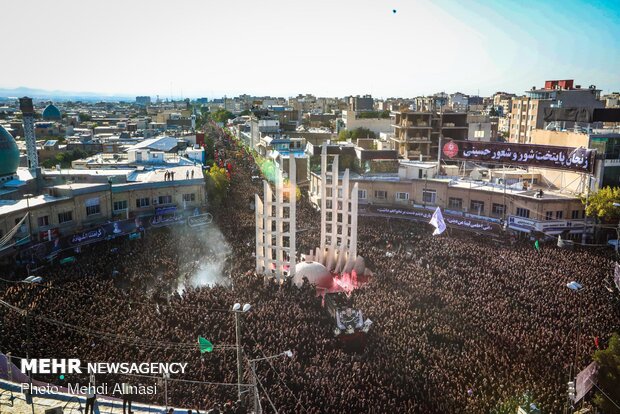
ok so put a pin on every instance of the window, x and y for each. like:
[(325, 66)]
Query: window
[(548, 215), (91, 210), (165, 199), (402, 196), (43, 221), (429, 196), (361, 194), (498, 209), (523, 212), (455, 203), (142, 202), (92, 206), (559, 214), (575, 214), (477, 206), (120, 205), (189, 197), (381, 195), (65, 217)]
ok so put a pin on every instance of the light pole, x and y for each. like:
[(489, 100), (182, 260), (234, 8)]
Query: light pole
[(28, 212), (617, 232), (111, 201), (237, 309), (576, 287), (257, 407)]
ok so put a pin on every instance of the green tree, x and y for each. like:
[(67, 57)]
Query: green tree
[(222, 115), (608, 378), (246, 112), (509, 406), (601, 204), (343, 135), (217, 185)]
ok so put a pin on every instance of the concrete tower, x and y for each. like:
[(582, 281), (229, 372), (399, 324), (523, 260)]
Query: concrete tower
[(338, 217), (25, 104), (275, 227)]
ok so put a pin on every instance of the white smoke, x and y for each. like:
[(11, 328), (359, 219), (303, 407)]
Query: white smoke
[(208, 270)]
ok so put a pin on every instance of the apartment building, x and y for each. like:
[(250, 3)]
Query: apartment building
[(502, 102), (528, 111), (416, 134)]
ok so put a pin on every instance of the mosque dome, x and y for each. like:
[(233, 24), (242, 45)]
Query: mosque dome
[(9, 153), (51, 113), (315, 272)]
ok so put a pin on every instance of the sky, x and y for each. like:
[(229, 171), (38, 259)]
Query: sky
[(387, 48)]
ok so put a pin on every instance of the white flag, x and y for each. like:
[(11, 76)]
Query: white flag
[(437, 222)]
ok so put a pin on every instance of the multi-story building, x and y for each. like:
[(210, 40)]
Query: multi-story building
[(458, 102), (417, 134), (143, 100), (352, 120), (528, 111), (480, 204), (431, 103), (63, 209), (502, 102), (261, 124), (363, 103)]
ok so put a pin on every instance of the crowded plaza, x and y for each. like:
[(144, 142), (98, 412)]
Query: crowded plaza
[(461, 322)]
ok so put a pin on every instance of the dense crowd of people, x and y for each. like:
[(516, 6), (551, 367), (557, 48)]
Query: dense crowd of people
[(461, 323)]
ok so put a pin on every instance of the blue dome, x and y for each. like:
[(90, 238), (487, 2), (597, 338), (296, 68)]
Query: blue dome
[(9, 153), (51, 113)]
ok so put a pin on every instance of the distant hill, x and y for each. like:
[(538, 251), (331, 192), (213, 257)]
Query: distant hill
[(57, 95)]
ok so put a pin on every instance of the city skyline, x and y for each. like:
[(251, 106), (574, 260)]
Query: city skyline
[(327, 49)]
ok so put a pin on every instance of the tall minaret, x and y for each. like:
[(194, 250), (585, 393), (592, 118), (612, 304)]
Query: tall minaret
[(25, 104)]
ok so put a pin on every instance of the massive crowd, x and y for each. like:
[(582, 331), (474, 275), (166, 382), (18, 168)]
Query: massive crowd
[(461, 323)]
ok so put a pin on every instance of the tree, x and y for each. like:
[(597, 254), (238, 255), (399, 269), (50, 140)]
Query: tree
[(601, 204), (608, 378), (360, 132), (217, 185), (246, 112), (65, 158), (509, 406), (222, 115)]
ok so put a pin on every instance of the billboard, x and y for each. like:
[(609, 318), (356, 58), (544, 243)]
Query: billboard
[(525, 155)]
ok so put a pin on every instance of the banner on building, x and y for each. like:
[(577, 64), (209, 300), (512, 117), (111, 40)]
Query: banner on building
[(420, 214), (525, 155)]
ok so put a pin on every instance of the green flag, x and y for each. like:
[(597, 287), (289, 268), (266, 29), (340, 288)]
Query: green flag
[(537, 245), (204, 345)]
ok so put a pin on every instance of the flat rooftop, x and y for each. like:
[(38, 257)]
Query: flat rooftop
[(12, 206)]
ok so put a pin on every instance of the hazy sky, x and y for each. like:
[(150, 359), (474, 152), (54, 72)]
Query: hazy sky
[(325, 47)]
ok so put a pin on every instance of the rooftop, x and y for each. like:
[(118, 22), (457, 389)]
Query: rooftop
[(12, 206)]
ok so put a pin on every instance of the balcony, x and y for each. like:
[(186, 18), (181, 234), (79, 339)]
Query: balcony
[(412, 125)]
